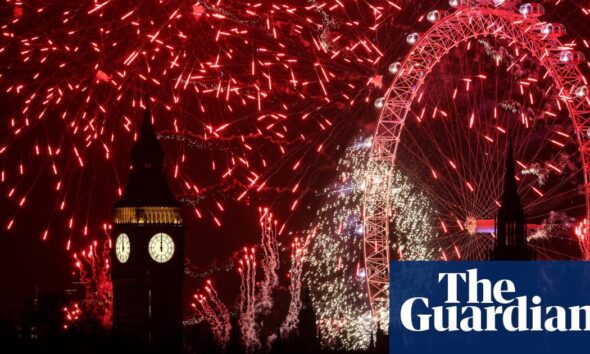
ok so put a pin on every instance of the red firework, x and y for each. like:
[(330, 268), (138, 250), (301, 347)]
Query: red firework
[(249, 83)]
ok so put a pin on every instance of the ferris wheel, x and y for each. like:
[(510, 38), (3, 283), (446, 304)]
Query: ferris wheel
[(484, 73)]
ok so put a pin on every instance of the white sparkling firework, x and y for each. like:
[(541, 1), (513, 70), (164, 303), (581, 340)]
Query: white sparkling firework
[(334, 267)]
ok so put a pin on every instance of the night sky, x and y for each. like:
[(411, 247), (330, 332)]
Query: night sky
[(27, 263)]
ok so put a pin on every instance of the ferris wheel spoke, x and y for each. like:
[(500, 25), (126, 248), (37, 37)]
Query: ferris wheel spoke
[(462, 117), (467, 146)]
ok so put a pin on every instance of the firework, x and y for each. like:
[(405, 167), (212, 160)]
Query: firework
[(72, 314), (334, 269), (297, 258), (270, 260), (215, 313), (258, 80), (247, 315), (255, 89), (256, 301), (93, 265)]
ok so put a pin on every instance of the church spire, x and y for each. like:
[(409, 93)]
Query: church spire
[(511, 228), (147, 185), (510, 196)]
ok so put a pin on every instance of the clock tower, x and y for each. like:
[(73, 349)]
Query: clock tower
[(147, 256)]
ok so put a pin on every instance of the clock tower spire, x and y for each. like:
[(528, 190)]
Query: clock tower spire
[(148, 253)]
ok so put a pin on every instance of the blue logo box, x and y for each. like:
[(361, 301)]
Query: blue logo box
[(489, 307)]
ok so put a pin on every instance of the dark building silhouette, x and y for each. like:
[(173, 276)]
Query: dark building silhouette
[(381, 341), (235, 338), (309, 340), (148, 252), (511, 226), (305, 338)]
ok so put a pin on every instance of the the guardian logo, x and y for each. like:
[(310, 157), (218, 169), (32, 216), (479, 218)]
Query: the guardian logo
[(488, 305)]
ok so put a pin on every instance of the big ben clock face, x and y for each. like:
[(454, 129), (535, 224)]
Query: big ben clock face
[(161, 247), (122, 248)]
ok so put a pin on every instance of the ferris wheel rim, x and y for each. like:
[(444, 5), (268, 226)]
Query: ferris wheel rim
[(472, 22)]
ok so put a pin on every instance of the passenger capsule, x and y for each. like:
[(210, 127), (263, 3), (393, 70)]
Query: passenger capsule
[(553, 30), (581, 92), (571, 57), (435, 15), (531, 10), (380, 103), (412, 38), (395, 67)]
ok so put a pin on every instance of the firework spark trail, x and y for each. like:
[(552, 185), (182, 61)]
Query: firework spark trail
[(222, 312), (297, 258), (212, 317), (247, 320), (270, 261), (200, 315), (81, 63), (254, 300), (94, 272), (254, 77)]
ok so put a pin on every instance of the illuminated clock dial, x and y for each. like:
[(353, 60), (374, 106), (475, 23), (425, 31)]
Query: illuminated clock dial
[(161, 247), (122, 248)]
